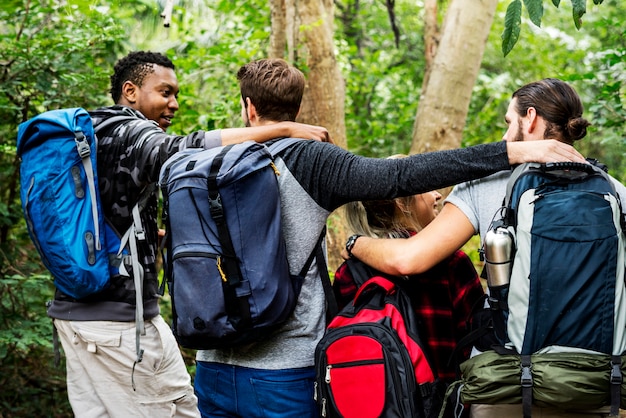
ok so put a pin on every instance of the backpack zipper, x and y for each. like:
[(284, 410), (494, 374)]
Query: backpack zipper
[(29, 221), (194, 254), (349, 364)]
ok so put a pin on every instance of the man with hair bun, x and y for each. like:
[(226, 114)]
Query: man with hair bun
[(545, 109)]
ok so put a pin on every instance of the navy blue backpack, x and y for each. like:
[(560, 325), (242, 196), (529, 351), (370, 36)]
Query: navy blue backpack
[(568, 270), (226, 262), (564, 308)]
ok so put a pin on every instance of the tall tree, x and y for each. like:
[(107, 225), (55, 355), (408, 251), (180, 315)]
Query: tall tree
[(446, 96), (324, 101), (431, 36), (278, 35), (307, 28), (310, 45)]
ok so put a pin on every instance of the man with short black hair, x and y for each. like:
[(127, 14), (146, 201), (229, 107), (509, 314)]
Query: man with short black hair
[(106, 376)]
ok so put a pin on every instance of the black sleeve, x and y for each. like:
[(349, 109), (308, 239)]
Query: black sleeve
[(333, 176)]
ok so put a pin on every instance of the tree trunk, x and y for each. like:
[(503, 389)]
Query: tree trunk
[(278, 35), (431, 37), (306, 28), (309, 32), (324, 98), (445, 99)]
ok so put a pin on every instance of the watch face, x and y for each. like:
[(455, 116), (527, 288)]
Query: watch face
[(350, 243)]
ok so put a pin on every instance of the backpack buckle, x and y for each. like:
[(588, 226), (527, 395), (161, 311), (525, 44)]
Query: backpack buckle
[(81, 144), (527, 377), (616, 373), (216, 209)]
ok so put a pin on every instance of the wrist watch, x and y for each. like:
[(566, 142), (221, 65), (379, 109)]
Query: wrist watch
[(350, 243)]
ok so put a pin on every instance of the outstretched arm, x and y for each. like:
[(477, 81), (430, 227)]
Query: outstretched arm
[(276, 130), (543, 151), (441, 238)]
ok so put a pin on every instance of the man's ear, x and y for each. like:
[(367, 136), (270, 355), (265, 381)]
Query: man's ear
[(532, 117), (251, 111), (129, 92)]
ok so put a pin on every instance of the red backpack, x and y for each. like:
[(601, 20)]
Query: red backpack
[(371, 362)]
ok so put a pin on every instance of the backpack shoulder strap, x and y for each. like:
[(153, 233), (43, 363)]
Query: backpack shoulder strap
[(332, 309), (280, 144), (134, 234), (515, 173), (228, 265), (598, 164), (110, 122), (359, 271)]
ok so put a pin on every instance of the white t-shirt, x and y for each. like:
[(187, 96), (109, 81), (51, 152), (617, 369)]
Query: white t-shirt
[(480, 200)]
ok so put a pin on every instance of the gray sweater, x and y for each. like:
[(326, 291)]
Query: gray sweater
[(316, 178)]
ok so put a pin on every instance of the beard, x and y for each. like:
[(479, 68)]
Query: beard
[(520, 135)]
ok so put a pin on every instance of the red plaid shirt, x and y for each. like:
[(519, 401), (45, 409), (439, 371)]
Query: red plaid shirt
[(443, 298)]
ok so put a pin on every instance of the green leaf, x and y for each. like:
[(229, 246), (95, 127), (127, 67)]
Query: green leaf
[(512, 24), (558, 2), (579, 8), (535, 10)]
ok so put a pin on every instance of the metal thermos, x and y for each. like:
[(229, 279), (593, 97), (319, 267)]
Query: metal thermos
[(498, 256), (498, 246)]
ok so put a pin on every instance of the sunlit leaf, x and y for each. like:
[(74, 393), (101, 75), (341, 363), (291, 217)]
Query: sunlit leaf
[(535, 10)]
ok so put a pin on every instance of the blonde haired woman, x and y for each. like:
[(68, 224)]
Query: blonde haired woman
[(443, 297)]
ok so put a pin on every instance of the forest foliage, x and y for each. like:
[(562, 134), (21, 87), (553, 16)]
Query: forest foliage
[(57, 54)]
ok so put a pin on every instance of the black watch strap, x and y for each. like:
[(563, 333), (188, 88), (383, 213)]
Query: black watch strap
[(350, 243)]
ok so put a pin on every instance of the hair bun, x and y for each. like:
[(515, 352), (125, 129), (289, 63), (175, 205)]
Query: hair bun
[(576, 128)]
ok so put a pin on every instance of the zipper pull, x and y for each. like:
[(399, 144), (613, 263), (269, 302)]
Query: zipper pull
[(324, 407), (315, 391), (275, 169), (327, 378), (537, 198)]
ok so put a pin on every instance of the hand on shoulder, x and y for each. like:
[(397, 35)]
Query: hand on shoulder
[(313, 132), (542, 151)]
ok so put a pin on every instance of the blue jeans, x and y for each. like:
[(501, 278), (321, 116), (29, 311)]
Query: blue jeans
[(232, 391)]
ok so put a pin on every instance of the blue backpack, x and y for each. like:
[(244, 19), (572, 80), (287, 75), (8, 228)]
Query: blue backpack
[(567, 278), (61, 201), (226, 263), (564, 309)]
